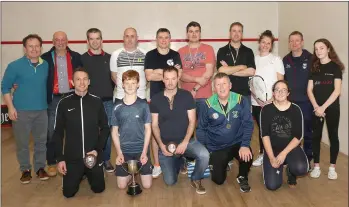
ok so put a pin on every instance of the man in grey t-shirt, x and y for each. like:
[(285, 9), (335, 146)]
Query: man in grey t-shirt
[(131, 130)]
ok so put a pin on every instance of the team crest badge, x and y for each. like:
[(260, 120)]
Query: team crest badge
[(288, 66), (215, 116), (305, 65), (235, 114)]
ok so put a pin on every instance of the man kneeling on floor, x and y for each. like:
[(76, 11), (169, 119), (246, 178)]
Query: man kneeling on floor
[(225, 127), (173, 120), (82, 116)]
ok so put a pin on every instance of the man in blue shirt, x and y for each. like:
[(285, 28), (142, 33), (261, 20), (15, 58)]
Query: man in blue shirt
[(225, 127), (28, 108), (297, 65)]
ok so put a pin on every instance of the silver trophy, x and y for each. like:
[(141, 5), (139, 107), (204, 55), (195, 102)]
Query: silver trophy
[(132, 167), (90, 161)]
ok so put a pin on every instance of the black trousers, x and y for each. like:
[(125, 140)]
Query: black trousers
[(256, 111), (75, 171), (297, 163), (220, 159), (332, 122)]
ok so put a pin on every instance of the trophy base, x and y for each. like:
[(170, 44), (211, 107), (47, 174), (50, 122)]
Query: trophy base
[(134, 190)]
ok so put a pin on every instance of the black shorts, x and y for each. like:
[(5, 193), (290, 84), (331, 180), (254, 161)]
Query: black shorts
[(146, 169)]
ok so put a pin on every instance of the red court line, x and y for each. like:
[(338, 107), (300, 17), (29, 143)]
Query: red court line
[(121, 41)]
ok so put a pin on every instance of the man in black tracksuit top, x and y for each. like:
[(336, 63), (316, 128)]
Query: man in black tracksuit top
[(82, 116)]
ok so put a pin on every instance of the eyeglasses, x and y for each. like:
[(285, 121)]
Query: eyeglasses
[(281, 91)]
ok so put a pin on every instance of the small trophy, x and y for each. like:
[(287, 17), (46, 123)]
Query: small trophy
[(171, 147), (90, 161), (132, 167)]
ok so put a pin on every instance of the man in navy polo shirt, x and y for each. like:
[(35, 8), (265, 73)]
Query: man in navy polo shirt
[(297, 65), (173, 120)]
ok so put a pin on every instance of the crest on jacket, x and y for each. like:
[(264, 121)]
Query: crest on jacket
[(235, 114)]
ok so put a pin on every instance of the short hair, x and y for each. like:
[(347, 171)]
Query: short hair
[(81, 69), (163, 30), (93, 30), (220, 76), (236, 24), (193, 24), (170, 69), (31, 36), (296, 33), (130, 75)]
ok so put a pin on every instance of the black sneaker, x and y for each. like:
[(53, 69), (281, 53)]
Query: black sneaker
[(244, 186), (26, 177), (108, 167), (291, 180)]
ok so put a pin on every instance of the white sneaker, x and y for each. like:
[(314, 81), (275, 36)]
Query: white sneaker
[(229, 165), (316, 172), (258, 161), (332, 174), (156, 171)]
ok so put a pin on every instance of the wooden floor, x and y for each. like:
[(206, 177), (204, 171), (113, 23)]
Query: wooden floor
[(309, 192)]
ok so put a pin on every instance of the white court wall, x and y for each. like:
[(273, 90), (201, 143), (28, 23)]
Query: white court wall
[(75, 18), (320, 20), (44, 18)]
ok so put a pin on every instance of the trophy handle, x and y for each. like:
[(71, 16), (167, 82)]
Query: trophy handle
[(139, 166), (124, 166)]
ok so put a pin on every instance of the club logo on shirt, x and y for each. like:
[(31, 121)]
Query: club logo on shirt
[(170, 62), (235, 114), (137, 116), (305, 65), (288, 66), (215, 116)]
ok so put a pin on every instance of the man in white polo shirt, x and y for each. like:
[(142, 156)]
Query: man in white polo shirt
[(129, 57)]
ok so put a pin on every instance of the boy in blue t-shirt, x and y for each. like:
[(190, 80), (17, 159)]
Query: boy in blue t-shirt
[(131, 131)]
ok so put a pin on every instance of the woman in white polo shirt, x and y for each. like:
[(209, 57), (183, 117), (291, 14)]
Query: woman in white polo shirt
[(271, 68)]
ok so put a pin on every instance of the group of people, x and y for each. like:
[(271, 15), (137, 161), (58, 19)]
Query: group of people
[(67, 102)]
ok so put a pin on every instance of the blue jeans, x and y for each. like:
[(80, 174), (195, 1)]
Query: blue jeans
[(170, 166), (108, 107)]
